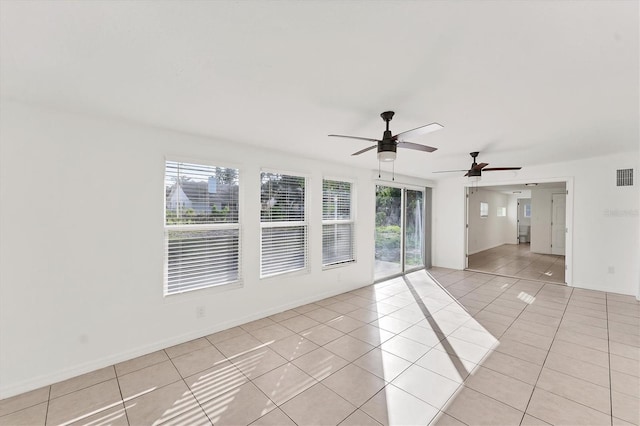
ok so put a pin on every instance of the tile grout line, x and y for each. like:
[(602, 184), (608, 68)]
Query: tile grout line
[(610, 414), (548, 351), (524, 412), (46, 415), (185, 383), (386, 383), (535, 386), (124, 408), (267, 372), (291, 362), (462, 384)]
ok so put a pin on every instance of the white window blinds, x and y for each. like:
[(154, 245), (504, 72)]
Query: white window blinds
[(283, 223), (202, 227), (337, 223)]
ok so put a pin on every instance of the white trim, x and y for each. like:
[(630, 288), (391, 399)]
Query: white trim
[(338, 222), (305, 175), (202, 226), (203, 160), (199, 227), (351, 221), (283, 224)]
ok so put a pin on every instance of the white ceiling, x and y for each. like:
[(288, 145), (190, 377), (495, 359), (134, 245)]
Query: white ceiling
[(523, 82)]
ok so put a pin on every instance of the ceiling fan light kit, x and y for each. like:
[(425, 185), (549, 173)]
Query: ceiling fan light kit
[(386, 156)]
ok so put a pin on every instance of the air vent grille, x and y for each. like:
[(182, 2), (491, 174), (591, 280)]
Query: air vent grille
[(624, 177)]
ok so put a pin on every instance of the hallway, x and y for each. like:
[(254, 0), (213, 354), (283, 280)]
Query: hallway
[(516, 260)]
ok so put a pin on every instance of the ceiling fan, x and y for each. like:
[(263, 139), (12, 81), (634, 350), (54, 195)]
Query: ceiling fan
[(389, 143), (477, 169)]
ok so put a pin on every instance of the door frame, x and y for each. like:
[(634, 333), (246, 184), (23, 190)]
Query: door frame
[(569, 185)]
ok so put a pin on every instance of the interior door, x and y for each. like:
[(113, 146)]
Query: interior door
[(558, 223)]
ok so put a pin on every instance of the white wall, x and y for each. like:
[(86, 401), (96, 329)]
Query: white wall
[(82, 244), (448, 238), (486, 232), (605, 219)]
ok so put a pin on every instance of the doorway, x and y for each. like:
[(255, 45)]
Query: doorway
[(524, 220), (400, 236), (529, 240)]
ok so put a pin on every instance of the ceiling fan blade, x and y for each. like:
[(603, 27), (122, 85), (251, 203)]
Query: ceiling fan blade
[(418, 131), (365, 150), (355, 137), (480, 166), (493, 169), (451, 171), (417, 147), (466, 174)]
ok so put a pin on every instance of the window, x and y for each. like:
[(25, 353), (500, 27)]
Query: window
[(484, 210), (202, 228), (502, 211), (337, 223), (283, 223), (527, 210)]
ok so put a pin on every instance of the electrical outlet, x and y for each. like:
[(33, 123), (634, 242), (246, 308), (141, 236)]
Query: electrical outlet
[(200, 312), (611, 270)]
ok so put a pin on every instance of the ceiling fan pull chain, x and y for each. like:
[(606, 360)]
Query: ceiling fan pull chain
[(393, 171), (378, 169)]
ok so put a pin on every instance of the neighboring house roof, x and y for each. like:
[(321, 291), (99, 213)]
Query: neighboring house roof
[(177, 195), (197, 192)]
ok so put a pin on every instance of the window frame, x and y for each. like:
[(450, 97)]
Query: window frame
[(351, 221), (501, 211), (486, 214), (237, 283), (271, 225)]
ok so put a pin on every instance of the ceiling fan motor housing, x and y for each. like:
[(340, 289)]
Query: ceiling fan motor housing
[(387, 144), (475, 172)]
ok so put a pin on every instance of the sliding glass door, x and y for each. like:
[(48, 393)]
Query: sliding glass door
[(400, 233), (413, 229), (388, 231)]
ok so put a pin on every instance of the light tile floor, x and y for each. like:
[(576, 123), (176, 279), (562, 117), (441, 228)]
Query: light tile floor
[(474, 349), (517, 260)]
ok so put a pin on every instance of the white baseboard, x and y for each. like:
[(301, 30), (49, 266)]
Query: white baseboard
[(490, 247), (7, 391)]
